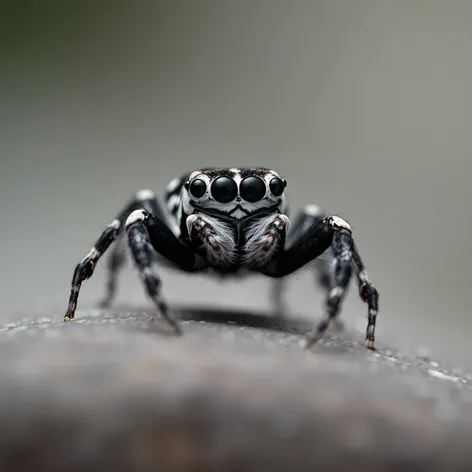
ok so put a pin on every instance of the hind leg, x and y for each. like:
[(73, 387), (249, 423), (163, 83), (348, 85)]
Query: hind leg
[(278, 307), (115, 263)]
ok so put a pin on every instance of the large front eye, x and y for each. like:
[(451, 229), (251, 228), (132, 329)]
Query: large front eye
[(197, 188), (277, 186), (252, 189), (224, 189)]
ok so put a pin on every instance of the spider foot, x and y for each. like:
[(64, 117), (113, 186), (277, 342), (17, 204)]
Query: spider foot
[(370, 337), (161, 304), (309, 340)]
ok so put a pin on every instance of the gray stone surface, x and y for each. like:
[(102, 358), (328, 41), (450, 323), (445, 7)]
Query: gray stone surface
[(234, 393)]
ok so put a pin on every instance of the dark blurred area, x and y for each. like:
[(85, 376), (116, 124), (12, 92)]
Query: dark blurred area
[(364, 106)]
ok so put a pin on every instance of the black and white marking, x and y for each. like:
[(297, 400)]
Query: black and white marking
[(230, 222)]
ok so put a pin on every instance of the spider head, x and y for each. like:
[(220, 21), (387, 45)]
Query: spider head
[(235, 192)]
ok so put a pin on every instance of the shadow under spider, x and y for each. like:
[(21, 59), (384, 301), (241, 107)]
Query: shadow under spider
[(262, 320)]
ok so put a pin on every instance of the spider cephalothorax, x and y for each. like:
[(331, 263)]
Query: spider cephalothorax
[(238, 205), (231, 221)]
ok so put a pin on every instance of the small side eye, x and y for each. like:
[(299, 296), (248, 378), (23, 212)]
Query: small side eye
[(197, 188), (277, 186)]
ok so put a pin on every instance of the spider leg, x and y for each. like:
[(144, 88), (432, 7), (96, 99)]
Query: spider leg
[(368, 294), (148, 237), (143, 199), (276, 297), (84, 269), (116, 261), (307, 217), (331, 232)]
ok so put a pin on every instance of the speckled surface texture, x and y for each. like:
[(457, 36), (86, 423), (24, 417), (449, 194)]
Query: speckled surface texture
[(115, 390)]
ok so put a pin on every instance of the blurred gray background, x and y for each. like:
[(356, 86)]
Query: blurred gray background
[(363, 105)]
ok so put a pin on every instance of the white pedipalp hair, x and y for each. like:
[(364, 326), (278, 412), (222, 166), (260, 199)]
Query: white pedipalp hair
[(263, 238), (220, 243)]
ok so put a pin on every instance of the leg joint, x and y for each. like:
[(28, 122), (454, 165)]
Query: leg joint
[(338, 223), (135, 217)]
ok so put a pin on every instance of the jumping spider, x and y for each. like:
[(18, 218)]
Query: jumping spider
[(230, 222)]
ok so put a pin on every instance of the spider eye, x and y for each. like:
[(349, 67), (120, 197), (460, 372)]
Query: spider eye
[(277, 186), (224, 189), (252, 189), (197, 188)]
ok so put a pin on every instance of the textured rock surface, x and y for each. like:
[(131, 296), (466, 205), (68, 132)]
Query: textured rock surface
[(115, 391)]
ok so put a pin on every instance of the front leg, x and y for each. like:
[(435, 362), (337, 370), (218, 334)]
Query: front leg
[(331, 232), (304, 220), (85, 268), (147, 200), (114, 232), (147, 237)]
